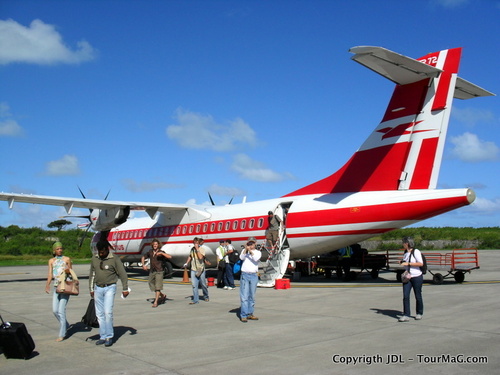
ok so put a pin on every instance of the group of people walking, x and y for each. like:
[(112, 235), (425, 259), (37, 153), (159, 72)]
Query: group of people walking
[(106, 269)]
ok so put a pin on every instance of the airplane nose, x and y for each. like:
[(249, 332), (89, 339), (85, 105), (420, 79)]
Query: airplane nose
[(471, 195)]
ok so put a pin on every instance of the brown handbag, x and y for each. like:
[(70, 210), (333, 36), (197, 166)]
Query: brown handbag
[(69, 285)]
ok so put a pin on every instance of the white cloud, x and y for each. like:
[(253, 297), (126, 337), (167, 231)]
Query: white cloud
[(196, 131), (39, 43), (483, 205), (136, 187), (250, 169), (8, 126), (215, 189), (471, 116), (451, 3), (67, 165), (468, 147)]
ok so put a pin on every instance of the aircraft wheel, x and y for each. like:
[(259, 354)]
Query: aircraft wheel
[(459, 276), (374, 273), (437, 279), (168, 271)]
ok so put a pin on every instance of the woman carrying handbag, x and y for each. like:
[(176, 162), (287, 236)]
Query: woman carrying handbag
[(57, 265), (412, 261)]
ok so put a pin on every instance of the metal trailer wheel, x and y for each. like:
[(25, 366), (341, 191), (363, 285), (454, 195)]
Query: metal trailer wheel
[(459, 276), (437, 279)]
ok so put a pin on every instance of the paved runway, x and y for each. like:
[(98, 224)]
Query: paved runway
[(316, 327)]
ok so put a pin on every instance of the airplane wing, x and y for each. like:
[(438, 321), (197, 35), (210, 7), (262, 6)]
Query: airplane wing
[(69, 203), (403, 70)]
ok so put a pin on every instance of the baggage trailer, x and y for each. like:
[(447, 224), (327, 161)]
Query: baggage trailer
[(456, 263), (371, 263)]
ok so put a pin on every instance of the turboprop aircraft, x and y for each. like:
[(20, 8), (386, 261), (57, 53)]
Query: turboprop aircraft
[(388, 183)]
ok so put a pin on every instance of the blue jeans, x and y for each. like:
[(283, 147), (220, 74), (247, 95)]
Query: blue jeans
[(228, 275), (59, 302), (196, 281), (416, 284), (104, 299), (248, 287)]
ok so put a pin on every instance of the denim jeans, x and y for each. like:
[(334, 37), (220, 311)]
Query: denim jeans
[(416, 284), (59, 302), (228, 275), (104, 299), (196, 281), (248, 287)]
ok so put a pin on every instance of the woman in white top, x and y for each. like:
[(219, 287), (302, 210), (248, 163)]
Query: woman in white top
[(412, 261)]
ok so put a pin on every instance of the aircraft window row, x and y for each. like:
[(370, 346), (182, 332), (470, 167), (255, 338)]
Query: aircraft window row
[(190, 228)]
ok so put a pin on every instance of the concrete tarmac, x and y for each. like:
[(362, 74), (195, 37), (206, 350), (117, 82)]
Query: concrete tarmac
[(317, 326)]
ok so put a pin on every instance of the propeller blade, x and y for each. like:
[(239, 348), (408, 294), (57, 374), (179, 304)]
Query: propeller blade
[(211, 200)]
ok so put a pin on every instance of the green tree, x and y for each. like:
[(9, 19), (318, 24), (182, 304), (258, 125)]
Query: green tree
[(59, 224)]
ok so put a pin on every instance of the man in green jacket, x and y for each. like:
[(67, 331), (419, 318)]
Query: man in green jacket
[(105, 270)]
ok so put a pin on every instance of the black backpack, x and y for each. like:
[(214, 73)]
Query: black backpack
[(234, 256), (90, 319), (424, 267)]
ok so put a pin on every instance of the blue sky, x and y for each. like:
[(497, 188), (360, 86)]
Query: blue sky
[(165, 101)]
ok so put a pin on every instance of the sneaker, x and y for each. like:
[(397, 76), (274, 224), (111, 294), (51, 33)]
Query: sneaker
[(193, 303), (108, 342), (251, 317), (244, 320), (226, 288), (207, 299), (404, 318), (231, 288), (418, 317), (100, 342)]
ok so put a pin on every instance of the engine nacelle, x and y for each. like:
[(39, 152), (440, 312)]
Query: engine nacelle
[(105, 220)]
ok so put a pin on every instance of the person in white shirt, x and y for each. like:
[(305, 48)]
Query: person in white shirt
[(412, 261), (248, 281)]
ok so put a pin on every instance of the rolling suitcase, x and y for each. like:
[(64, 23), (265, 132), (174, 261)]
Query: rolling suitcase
[(15, 341)]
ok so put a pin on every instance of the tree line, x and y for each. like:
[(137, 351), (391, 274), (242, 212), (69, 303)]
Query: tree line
[(17, 241)]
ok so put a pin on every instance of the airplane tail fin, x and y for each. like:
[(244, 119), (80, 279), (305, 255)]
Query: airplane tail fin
[(405, 150)]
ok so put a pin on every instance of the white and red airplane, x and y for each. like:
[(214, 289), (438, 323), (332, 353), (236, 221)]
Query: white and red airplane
[(389, 182)]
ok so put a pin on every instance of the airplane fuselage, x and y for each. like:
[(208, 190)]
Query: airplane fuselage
[(313, 224)]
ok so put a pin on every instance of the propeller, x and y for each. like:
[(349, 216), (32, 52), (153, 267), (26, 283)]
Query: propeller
[(213, 203), (211, 200), (84, 236)]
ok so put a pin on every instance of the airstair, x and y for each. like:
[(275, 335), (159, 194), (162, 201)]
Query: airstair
[(276, 264)]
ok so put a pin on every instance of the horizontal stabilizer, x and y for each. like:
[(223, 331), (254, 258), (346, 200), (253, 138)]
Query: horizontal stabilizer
[(403, 70), (466, 90), (393, 66)]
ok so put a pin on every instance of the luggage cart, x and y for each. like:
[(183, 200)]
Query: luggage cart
[(456, 264)]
